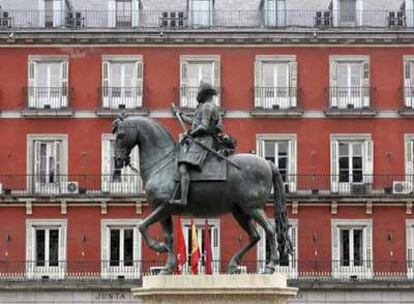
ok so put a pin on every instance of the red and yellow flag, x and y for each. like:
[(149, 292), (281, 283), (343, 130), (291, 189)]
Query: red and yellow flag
[(195, 251)]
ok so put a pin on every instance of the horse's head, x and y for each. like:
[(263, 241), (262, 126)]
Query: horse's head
[(125, 140)]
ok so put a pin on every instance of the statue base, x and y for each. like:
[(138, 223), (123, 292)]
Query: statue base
[(220, 288)]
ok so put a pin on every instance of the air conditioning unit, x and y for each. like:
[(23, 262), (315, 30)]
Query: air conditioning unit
[(173, 20), (69, 187), (396, 19), (402, 187), (360, 189), (75, 20), (5, 20), (323, 19)]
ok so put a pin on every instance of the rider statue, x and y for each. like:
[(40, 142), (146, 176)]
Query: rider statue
[(205, 125)]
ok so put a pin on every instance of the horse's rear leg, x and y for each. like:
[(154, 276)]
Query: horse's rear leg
[(261, 218), (171, 264), (160, 213), (245, 221)]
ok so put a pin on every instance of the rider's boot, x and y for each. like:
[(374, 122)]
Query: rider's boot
[(185, 185)]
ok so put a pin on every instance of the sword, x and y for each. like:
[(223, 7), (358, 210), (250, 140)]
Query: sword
[(180, 120)]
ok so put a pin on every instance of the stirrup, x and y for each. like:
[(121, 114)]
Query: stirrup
[(177, 203)]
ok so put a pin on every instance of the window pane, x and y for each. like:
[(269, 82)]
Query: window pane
[(344, 237), (342, 75), (115, 249), (358, 256), (268, 75), (282, 75), (53, 247), (207, 72), (343, 149), (357, 163), (43, 148), (128, 246), (357, 149), (40, 247), (269, 151), (343, 163), (356, 75)]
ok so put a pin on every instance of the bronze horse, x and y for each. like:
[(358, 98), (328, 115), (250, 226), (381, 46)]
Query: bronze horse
[(244, 193)]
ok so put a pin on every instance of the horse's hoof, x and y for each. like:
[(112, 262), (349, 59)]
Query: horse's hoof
[(268, 270), (165, 271), (233, 269)]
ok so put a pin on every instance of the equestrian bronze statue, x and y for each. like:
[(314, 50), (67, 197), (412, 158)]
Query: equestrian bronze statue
[(240, 183)]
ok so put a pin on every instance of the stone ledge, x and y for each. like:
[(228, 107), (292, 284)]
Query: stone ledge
[(350, 113), (115, 112), (47, 113), (291, 112)]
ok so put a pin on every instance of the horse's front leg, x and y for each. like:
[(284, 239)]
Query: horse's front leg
[(159, 214), (171, 264)]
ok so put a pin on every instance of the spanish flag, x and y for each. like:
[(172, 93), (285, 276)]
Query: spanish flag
[(195, 251)]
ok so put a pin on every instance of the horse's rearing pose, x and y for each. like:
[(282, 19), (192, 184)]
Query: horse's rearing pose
[(244, 193)]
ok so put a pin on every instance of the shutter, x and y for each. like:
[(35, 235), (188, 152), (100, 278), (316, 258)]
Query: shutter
[(408, 83), (140, 82), (333, 96), (261, 250), (137, 251), (41, 13), (293, 237), (409, 13), (111, 13), (105, 84), (62, 248), (184, 84), (37, 161), (105, 249), (216, 81), (29, 250), (409, 235), (293, 68), (368, 246), (366, 89), (258, 84), (31, 90), (106, 163), (57, 13), (334, 165), (335, 247), (359, 12), (64, 83), (131, 177), (135, 13), (215, 248), (292, 178), (409, 161), (369, 161), (335, 12)]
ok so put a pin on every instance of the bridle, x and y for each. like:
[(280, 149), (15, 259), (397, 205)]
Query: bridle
[(145, 169)]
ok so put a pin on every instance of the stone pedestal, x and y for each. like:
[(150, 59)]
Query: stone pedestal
[(240, 289)]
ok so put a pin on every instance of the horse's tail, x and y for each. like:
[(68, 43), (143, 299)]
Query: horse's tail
[(281, 219)]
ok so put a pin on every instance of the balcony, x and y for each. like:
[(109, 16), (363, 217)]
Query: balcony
[(121, 99), (47, 101), (87, 20), (312, 186), (188, 98), (407, 101), (276, 101), (350, 101)]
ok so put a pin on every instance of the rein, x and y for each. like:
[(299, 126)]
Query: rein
[(156, 163)]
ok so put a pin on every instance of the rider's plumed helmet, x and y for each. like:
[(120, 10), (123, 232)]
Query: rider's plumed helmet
[(205, 90)]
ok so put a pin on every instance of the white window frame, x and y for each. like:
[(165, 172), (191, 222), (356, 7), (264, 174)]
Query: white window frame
[(275, 12), (59, 13), (359, 14), (408, 85), (37, 102), (201, 18), (127, 102), (185, 60), (290, 271), (342, 103), (48, 187), (33, 271), (287, 102), (130, 183), (135, 12), (292, 155), (365, 271), (409, 228), (128, 272), (368, 160), (216, 251), (409, 158)]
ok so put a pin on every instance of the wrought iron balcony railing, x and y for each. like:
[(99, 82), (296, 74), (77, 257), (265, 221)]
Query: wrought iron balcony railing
[(275, 98), (407, 97), (121, 97), (314, 185), (47, 98), (350, 98), (214, 19), (321, 270)]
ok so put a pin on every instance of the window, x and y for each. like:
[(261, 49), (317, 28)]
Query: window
[(351, 163), (47, 166), (281, 150), (48, 83), (348, 13), (130, 182), (275, 82), (45, 248), (195, 70), (288, 263), (349, 83), (50, 13), (122, 82), (123, 13), (409, 13), (409, 226), (201, 12), (351, 251), (409, 159), (121, 248), (274, 12), (408, 89), (214, 233)]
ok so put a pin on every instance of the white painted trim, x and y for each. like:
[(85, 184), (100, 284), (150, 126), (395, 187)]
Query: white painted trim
[(349, 58), (122, 58), (186, 58), (31, 269), (46, 58), (129, 272), (276, 58), (350, 136)]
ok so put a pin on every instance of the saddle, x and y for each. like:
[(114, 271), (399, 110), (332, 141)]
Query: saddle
[(214, 169)]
